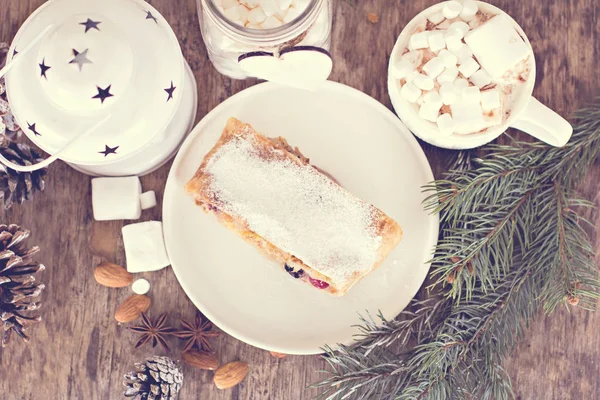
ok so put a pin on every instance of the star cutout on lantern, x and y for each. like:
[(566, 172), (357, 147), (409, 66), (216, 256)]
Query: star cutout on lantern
[(150, 16), (89, 24), (44, 68), (80, 58), (31, 127), (170, 91), (103, 94), (109, 150)]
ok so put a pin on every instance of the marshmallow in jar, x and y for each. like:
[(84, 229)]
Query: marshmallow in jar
[(286, 41), (463, 68)]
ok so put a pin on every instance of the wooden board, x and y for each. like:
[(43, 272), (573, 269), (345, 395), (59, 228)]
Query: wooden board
[(80, 352)]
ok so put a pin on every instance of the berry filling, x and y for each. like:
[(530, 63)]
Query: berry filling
[(300, 273), (290, 270), (318, 284)]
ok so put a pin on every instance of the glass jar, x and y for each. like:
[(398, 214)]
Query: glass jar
[(226, 40)]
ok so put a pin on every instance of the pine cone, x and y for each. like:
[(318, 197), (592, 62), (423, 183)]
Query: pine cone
[(17, 281), (15, 186), (158, 378), (8, 124), (19, 186)]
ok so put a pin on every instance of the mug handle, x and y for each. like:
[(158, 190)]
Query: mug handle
[(544, 124)]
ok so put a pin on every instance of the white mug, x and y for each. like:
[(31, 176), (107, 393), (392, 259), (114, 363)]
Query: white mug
[(527, 113)]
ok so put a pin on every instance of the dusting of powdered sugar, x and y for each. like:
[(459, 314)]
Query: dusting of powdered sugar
[(295, 207)]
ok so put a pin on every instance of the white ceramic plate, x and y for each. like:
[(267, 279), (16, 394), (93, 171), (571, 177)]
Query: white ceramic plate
[(368, 150)]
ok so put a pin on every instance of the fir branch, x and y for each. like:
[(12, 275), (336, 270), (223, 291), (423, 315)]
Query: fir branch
[(513, 240)]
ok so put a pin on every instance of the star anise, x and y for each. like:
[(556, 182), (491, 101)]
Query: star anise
[(156, 331), (197, 334)]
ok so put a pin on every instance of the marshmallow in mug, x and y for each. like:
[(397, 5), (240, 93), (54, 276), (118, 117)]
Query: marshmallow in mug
[(262, 14), (471, 57)]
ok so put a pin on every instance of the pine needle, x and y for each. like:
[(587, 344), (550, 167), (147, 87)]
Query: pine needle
[(513, 241)]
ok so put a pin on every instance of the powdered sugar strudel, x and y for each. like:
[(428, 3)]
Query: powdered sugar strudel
[(270, 195)]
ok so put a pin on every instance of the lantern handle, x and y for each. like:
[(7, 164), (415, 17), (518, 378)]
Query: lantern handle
[(4, 70), (51, 159)]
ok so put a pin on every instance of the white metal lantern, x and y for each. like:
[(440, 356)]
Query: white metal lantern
[(101, 85)]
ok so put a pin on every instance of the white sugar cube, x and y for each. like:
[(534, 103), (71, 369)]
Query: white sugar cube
[(449, 75), (402, 69), (256, 16), (461, 27), (419, 40), (429, 112), (462, 53), (468, 116), (450, 60), (460, 84), (480, 78), (469, 10), (269, 7), (271, 22), (148, 200), (436, 41), (284, 4), (250, 3), (498, 46), (433, 98), (468, 67), (253, 26), (291, 15), (453, 41), (227, 4), (436, 18), (145, 247), (434, 67), (448, 93), (116, 198), (452, 9), (471, 94), (423, 82), (446, 124), (490, 99), (410, 92)]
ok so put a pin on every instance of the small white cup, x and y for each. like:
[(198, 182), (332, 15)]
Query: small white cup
[(527, 113)]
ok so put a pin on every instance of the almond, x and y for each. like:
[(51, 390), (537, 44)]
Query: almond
[(277, 355), (200, 360), (112, 275), (131, 308), (229, 375)]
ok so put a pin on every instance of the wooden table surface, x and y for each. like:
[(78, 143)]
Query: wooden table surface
[(80, 352)]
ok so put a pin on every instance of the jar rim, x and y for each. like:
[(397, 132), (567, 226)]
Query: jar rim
[(264, 36)]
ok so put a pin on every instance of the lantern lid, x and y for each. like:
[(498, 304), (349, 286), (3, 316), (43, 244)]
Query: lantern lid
[(113, 60)]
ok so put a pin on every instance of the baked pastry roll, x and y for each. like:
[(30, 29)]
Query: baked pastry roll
[(270, 195)]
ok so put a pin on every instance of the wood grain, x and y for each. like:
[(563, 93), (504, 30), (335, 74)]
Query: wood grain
[(80, 352)]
